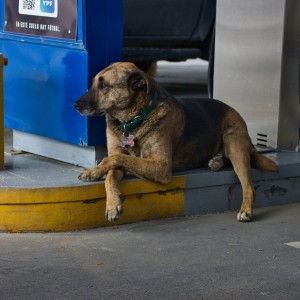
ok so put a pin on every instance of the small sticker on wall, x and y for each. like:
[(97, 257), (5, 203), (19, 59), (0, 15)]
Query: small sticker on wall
[(41, 8), (51, 18)]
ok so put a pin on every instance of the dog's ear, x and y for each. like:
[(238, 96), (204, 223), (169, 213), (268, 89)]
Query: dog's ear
[(137, 81)]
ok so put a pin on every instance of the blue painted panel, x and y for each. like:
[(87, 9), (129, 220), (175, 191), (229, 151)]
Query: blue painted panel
[(41, 84), (46, 75)]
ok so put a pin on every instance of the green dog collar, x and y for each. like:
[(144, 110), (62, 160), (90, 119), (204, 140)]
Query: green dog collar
[(137, 121)]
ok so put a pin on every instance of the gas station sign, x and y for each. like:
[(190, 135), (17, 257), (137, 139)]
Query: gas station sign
[(52, 18)]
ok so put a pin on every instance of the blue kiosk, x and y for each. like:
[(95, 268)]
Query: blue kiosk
[(55, 48)]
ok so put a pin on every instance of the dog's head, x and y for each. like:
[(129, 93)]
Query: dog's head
[(114, 89)]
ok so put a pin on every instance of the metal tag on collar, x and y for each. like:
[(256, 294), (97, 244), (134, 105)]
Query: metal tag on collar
[(127, 139)]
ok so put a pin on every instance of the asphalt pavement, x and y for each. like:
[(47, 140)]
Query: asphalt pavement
[(207, 257)]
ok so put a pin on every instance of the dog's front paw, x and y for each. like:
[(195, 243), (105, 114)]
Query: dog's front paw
[(243, 216), (91, 175), (114, 208)]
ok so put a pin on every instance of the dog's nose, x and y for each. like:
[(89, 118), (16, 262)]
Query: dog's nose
[(77, 105)]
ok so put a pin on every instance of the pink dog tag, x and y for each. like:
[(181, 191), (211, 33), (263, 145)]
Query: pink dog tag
[(127, 139)]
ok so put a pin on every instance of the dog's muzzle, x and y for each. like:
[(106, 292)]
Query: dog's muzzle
[(87, 109)]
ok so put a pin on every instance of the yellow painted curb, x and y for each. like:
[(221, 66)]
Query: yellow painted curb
[(82, 207)]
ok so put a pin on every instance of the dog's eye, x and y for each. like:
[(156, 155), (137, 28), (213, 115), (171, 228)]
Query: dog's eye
[(102, 84)]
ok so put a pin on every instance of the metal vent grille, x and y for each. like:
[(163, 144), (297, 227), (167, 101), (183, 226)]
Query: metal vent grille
[(262, 140)]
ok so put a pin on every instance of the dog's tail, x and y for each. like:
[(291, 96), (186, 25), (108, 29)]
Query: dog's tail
[(262, 162)]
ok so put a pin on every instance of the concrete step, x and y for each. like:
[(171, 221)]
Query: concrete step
[(40, 194)]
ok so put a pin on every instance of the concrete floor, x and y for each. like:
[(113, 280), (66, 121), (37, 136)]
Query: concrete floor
[(207, 257)]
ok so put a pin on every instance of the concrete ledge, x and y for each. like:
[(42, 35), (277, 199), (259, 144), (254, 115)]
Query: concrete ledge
[(80, 206), (208, 192)]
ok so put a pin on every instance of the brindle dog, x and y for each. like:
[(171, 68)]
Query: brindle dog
[(150, 134)]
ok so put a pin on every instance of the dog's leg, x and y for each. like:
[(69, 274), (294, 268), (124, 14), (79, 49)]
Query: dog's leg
[(239, 155), (158, 171), (246, 211), (113, 196), (147, 168)]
